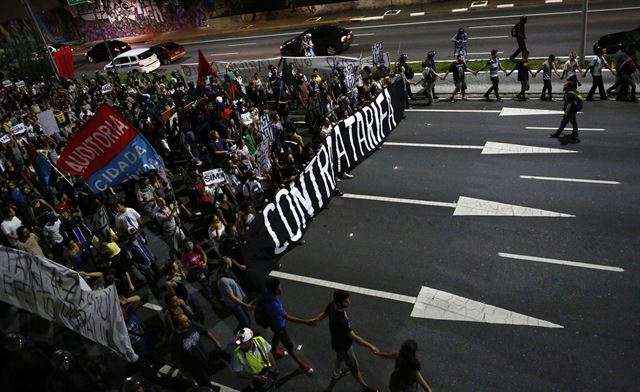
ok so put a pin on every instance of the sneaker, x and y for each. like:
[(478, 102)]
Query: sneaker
[(280, 354), (553, 135), (338, 375), (347, 175), (307, 370), (338, 192), (452, 100)]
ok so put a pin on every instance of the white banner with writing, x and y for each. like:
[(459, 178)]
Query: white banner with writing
[(213, 177), (59, 294)]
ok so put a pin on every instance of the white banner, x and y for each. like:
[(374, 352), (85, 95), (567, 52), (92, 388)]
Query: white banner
[(213, 177), (264, 124), (377, 53), (7, 83), (5, 139), (246, 118), (18, 129), (48, 122), (20, 84), (106, 88), (59, 294), (264, 160)]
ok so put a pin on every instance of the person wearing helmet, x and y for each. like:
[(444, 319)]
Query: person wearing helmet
[(430, 62), (65, 376), (459, 40), (408, 74), (253, 361), (307, 45)]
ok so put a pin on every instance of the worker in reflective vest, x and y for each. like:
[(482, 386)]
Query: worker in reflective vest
[(253, 361)]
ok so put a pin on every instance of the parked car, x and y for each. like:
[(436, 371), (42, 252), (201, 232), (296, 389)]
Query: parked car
[(168, 52), (327, 40), (99, 51), (615, 41), (136, 60)]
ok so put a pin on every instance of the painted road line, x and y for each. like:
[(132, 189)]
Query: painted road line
[(399, 200), (426, 145), (491, 37), (476, 4), (490, 27), (469, 206), (341, 286), (510, 5), (555, 128), (364, 34), (352, 45), (552, 1), (247, 44), (440, 305), (527, 112), (493, 148), (433, 304), (482, 53), (367, 18), (561, 262), (460, 10), (223, 54), (489, 148), (453, 110), (605, 182), (417, 14)]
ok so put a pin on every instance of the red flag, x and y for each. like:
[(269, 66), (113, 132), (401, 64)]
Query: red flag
[(232, 90), (204, 69), (64, 62)]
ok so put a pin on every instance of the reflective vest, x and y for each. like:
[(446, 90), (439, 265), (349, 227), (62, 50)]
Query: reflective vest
[(253, 364)]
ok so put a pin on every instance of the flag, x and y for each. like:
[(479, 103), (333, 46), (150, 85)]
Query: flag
[(40, 163), (232, 90), (204, 69), (108, 151), (64, 62)]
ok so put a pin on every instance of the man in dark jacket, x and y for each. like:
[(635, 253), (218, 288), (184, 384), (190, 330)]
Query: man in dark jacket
[(571, 107), (520, 36)]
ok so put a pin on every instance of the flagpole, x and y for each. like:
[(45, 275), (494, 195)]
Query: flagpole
[(55, 168)]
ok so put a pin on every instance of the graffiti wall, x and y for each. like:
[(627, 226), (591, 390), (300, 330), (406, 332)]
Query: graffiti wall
[(124, 18)]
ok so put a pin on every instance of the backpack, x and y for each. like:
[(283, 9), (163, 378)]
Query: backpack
[(579, 102), (260, 313), (514, 30), (430, 77), (408, 72)]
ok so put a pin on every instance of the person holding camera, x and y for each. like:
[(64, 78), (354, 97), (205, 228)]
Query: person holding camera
[(253, 361)]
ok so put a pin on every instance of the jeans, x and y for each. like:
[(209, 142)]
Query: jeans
[(597, 84), (494, 87), (546, 87), (568, 118)]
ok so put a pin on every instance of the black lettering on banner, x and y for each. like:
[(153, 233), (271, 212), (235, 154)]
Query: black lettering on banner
[(285, 220)]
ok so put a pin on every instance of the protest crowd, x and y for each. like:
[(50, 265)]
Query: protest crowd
[(227, 146)]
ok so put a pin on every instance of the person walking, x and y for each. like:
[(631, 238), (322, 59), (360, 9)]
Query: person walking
[(429, 77), (519, 34), (252, 360), (232, 294), (430, 62), (459, 40), (572, 105), (407, 374), (571, 70), (627, 69), (458, 68), (277, 318), (547, 67), (494, 66), (342, 338), (595, 67), (522, 66)]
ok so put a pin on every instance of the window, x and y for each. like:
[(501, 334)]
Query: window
[(145, 55)]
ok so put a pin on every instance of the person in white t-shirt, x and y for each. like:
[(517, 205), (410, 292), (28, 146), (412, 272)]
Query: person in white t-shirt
[(127, 217), (10, 225)]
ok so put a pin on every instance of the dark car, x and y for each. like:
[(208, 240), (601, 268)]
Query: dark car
[(168, 52), (327, 40), (615, 41), (99, 51)]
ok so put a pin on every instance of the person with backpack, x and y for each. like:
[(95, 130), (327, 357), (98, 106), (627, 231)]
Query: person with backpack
[(517, 31), (596, 73), (494, 66), (430, 62), (406, 375), (429, 77), (627, 68), (572, 104), (408, 73), (269, 313)]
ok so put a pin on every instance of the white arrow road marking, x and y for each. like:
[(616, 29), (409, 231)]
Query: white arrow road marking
[(489, 148), (555, 128), (491, 37), (433, 304), (416, 14), (490, 27), (476, 207), (508, 148), (510, 5), (440, 305), (527, 112), (453, 110), (571, 180), (468, 206), (561, 262)]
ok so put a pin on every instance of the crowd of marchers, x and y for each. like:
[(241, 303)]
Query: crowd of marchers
[(107, 237)]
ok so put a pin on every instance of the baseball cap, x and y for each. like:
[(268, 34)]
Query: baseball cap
[(244, 335)]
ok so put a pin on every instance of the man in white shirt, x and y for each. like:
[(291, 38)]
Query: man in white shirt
[(127, 217), (10, 225)]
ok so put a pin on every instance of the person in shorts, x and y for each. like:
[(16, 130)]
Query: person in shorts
[(458, 69)]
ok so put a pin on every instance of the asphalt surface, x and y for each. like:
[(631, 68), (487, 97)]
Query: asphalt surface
[(551, 28)]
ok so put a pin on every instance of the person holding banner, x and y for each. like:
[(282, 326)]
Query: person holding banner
[(167, 218)]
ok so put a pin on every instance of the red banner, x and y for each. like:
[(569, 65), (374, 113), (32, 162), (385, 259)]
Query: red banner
[(101, 138), (64, 62)]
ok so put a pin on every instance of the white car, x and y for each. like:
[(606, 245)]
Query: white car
[(137, 60)]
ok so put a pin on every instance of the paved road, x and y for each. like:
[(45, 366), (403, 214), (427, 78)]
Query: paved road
[(398, 248), (551, 28)]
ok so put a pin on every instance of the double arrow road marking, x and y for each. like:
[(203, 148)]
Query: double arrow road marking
[(505, 111), (489, 148)]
